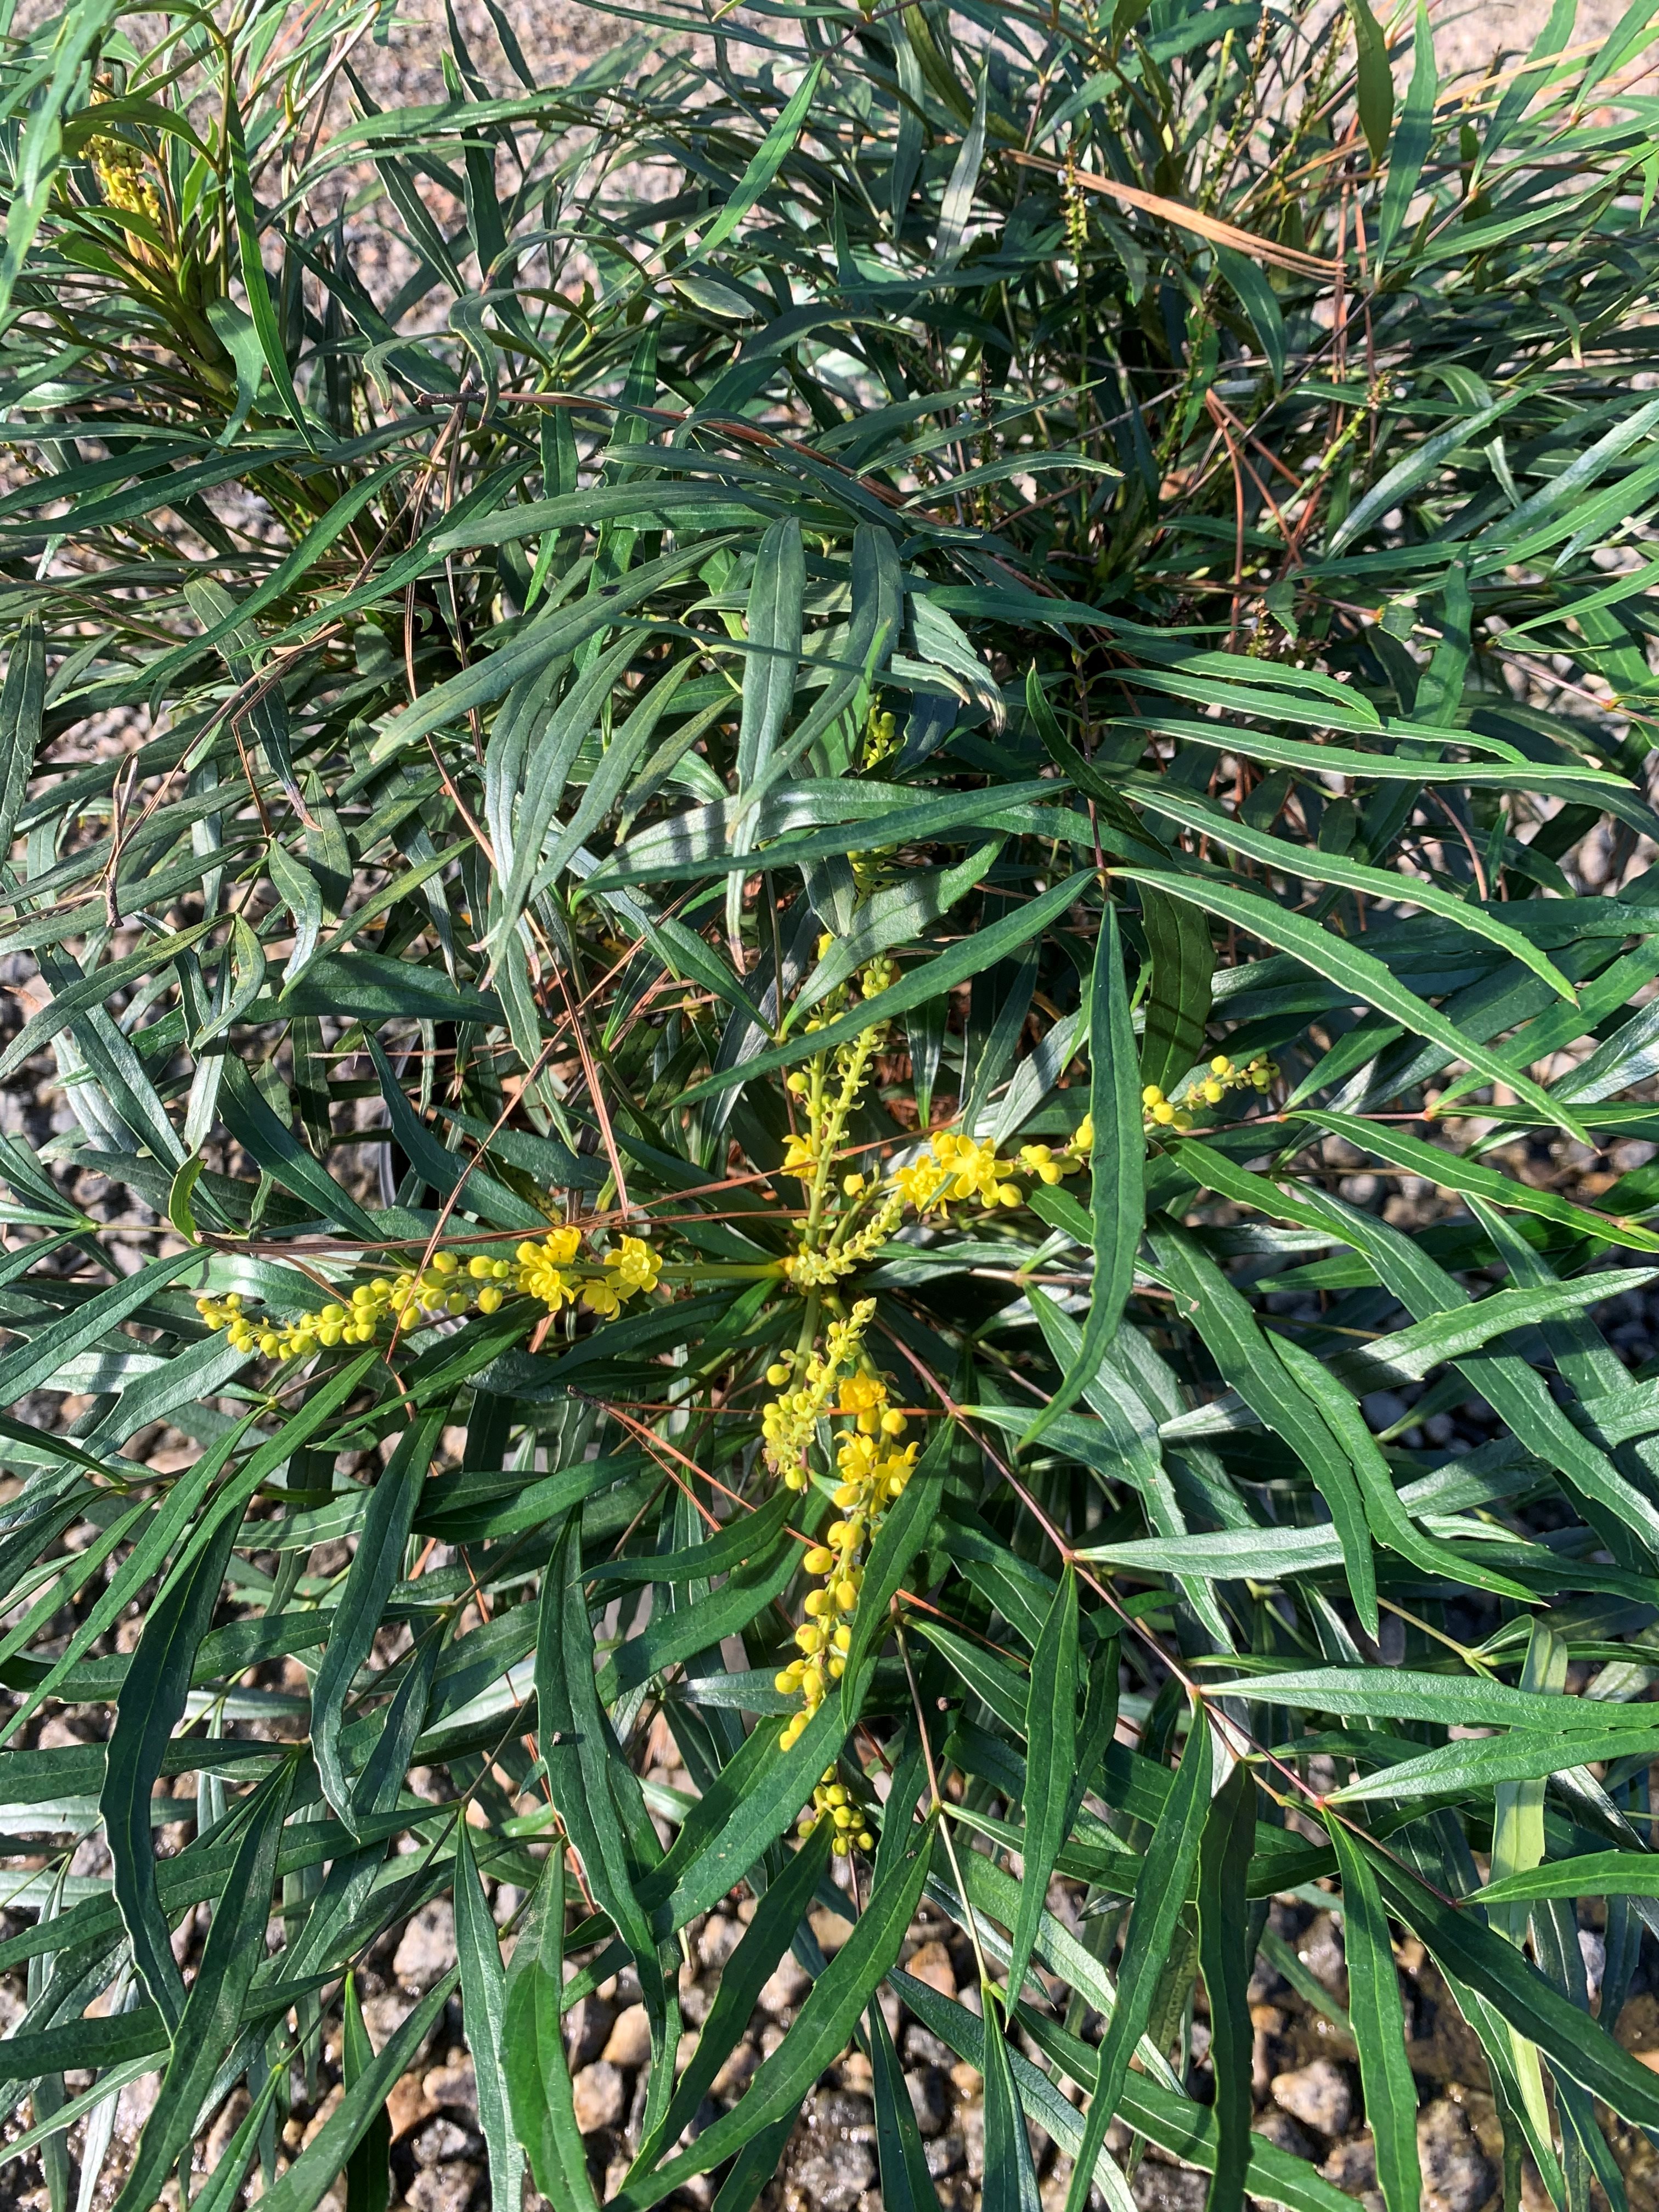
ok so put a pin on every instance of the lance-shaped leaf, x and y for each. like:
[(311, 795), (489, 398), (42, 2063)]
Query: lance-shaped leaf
[(148, 1709), (1050, 1766), (533, 2058), (377, 1564), (483, 1996), (1160, 1893), (1222, 1918), (211, 2019), (1379, 2026), (820, 2029), (1116, 1160)]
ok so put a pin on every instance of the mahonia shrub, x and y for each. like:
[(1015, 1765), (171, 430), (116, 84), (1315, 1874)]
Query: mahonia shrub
[(828, 867)]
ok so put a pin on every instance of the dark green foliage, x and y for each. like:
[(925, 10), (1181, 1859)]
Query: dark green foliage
[(1095, 561)]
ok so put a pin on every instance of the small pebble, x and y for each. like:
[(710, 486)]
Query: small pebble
[(599, 2095), (1320, 2095)]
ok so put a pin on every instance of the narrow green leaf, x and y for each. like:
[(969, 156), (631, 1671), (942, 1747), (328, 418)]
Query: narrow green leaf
[(309, 2180), (1159, 1896), (1315, 866), (21, 698), (767, 160), (1379, 2026), (1178, 1001), (369, 2175), (1051, 1767), (484, 1998), (1450, 1171), (1375, 79), (783, 1906), (533, 2058), (377, 1565), (1272, 1388), (260, 306), (1454, 1770), (1117, 1164), (1010, 2182), (1460, 1945), (573, 1732), (820, 2030), (1223, 1919), (1406, 156), (776, 597), (211, 2017), (150, 1707), (906, 2184)]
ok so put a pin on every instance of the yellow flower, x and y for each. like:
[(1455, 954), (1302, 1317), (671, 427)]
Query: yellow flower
[(637, 1266), (799, 1156)]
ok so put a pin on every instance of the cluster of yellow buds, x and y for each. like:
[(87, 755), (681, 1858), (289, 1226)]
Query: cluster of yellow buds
[(787, 1423), (448, 1286), (963, 1168), (445, 1285), (874, 1468), (848, 1248), (122, 178), (1208, 1089), (830, 1087), (545, 1273), (1050, 1166), (832, 1800), (881, 737)]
